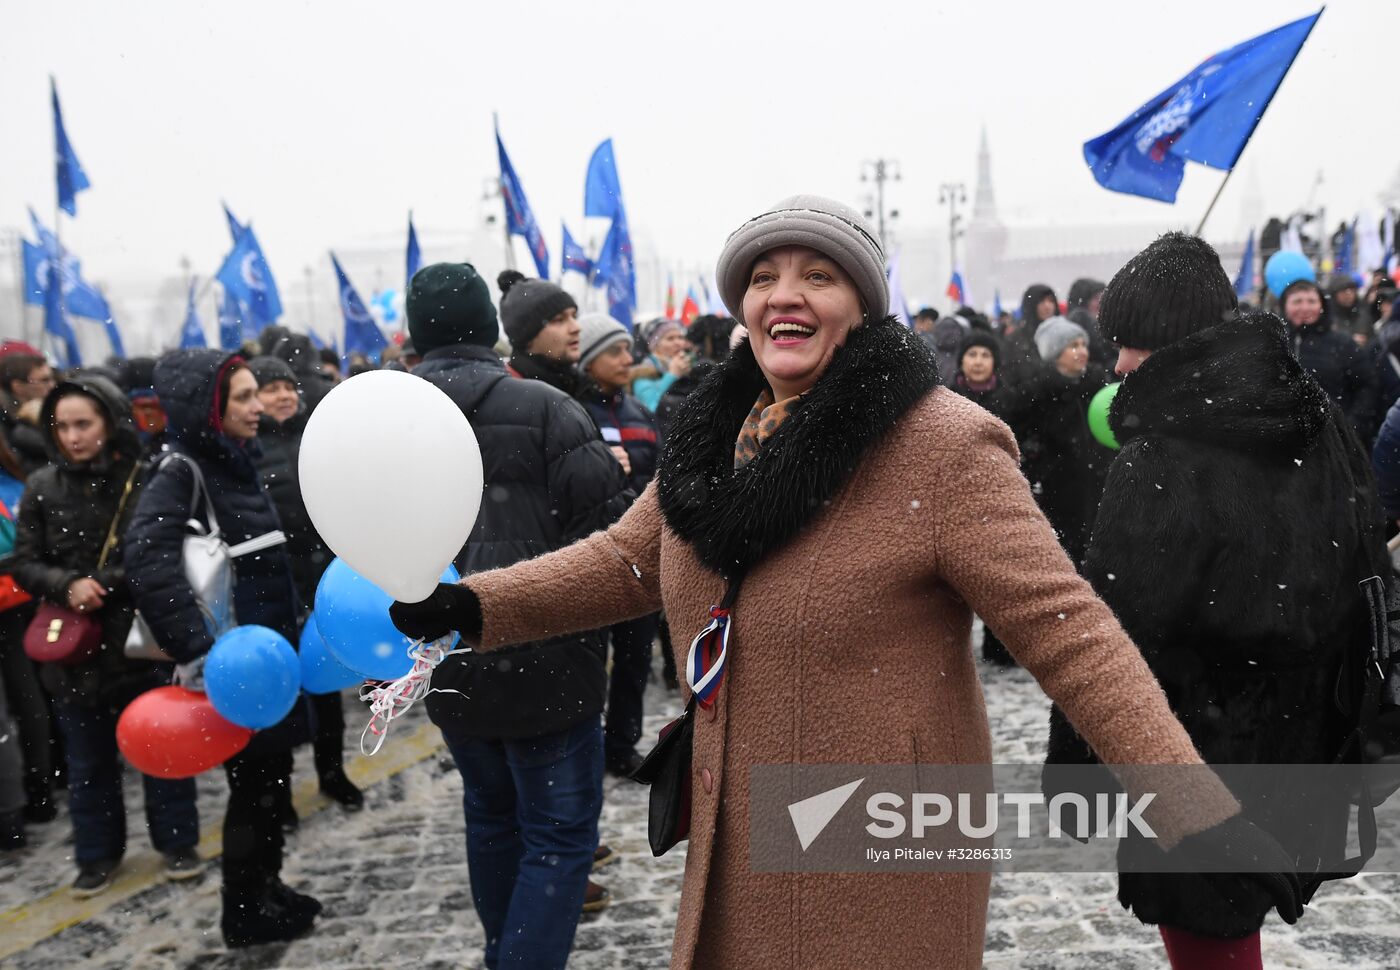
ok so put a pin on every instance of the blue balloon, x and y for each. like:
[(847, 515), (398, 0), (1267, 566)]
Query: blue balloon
[(1286, 267), (252, 676), (320, 672), (353, 616)]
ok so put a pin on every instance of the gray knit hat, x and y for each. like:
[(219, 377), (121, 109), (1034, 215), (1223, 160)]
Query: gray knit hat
[(832, 229), (598, 332), (1054, 335), (269, 369)]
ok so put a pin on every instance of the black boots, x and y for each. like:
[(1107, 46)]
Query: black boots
[(341, 790), (267, 912)]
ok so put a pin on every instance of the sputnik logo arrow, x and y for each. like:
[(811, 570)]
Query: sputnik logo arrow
[(811, 815)]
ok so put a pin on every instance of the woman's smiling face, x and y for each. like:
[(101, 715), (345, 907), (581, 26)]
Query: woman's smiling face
[(799, 308)]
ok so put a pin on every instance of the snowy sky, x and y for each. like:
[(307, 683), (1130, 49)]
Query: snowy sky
[(325, 122)]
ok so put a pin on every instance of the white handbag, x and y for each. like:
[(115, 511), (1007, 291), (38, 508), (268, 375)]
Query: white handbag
[(208, 566)]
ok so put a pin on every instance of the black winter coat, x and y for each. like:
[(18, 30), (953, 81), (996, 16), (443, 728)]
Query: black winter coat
[(1061, 459), (1342, 368), (263, 593), (674, 395), (549, 481), (1227, 543), (1021, 358), (622, 420), (280, 451), (63, 522)]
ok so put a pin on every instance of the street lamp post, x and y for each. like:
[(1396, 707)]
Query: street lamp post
[(953, 194), (880, 171)]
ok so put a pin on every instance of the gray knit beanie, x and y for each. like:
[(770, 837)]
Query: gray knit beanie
[(527, 305), (832, 229), (1054, 335), (598, 332)]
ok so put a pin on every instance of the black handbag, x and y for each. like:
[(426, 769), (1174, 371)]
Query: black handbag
[(667, 768)]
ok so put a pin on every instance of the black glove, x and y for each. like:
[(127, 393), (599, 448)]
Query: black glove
[(1260, 858), (450, 607)]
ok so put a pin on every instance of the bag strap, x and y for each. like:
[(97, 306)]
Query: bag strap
[(111, 541), (199, 488)]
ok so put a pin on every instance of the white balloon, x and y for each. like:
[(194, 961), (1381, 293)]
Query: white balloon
[(386, 440)]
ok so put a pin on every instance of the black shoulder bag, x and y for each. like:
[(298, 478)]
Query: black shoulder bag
[(667, 767)]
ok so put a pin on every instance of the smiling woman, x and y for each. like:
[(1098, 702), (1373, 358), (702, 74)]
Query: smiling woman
[(851, 514)]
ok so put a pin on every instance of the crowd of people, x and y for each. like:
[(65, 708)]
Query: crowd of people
[(633, 481)]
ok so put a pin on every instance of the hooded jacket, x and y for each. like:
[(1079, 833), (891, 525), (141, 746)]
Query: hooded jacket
[(1022, 358), (1341, 367), (277, 457), (549, 480), (1233, 526), (64, 519)]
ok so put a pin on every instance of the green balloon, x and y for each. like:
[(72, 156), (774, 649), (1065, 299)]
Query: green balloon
[(1098, 416)]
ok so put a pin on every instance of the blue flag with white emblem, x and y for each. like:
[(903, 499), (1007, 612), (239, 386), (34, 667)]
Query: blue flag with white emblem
[(231, 323), (1206, 117), (414, 256), (520, 220), (76, 314), (361, 332), (192, 333), (575, 257), (246, 277), (71, 177)]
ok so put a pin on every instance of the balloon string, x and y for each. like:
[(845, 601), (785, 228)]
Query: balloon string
[(392, 700)]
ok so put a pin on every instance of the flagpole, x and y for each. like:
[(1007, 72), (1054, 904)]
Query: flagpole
[(17, 242), (505, 206), (1214, 200)]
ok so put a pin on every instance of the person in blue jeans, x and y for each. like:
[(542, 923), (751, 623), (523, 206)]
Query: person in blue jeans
[(532, 810)]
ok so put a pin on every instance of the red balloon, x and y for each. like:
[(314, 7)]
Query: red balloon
[(171, 732)]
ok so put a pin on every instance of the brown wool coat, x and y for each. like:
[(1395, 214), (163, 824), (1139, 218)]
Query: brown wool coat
[(851, 645)]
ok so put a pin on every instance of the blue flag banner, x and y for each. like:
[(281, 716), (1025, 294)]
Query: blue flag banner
[(1245, 281), (414, 256), (76, 314), (71, 177), (602, 193), (996, 305), (316, 341), (1206, 117), (361, 332), (1346, 253), (575, 257), (231, 323), (192, 333), (616, 271), (246, 277), (520, 221), (235, 228)]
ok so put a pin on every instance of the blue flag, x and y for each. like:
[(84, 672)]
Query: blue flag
[(616, 271), (235, 228), (1245, 281), (996, 305), (53, 279), (71, 177), (520, 221), (1206, 117), (1346, 253), (414, 256), (361, 332), (575, 257), (602, 193), (231, 323), (192, 333), (246, 277), (316, 341)]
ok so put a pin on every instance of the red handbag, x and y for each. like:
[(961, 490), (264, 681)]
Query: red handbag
[(61, 635)]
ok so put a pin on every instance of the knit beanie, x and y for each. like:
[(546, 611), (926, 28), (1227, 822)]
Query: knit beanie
[(1054, 335), (1168, 291), (527, 305), (598, 332), (980, 338), (269, 369), (448, 304), (836, 231), (658, 329), (1339, 282)]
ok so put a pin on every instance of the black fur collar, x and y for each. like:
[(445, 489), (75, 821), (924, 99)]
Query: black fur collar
[(735, 518), (1234, 384)]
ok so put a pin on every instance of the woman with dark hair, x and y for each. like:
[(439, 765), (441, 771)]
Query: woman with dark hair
[(211, 399), (1330, 356), (69, 551)]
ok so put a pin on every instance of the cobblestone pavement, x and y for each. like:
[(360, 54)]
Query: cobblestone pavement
[(394, 882)]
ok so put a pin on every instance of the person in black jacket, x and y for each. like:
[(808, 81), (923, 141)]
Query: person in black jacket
[(279, 437), (68, 551), (1082, 307), (541, 322), (1332, 357), (212, 403), (24, 379), (605, 361), (523, 724), (1038, 304), (1234, 524)]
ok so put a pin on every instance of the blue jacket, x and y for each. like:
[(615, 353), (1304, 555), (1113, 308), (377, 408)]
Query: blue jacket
[(622, 420), (1385, 458)]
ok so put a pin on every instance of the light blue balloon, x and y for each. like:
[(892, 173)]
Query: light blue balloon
[(252, 676), (320, 672), (353, 616), (1285, 267)]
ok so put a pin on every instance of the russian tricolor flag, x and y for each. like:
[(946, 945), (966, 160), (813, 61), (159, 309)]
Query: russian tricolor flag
[(956, 291)]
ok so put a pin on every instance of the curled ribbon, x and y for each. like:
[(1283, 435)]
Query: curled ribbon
[(392, 700)]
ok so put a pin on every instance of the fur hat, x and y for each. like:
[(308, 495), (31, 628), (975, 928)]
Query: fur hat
[(1170, 290)]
